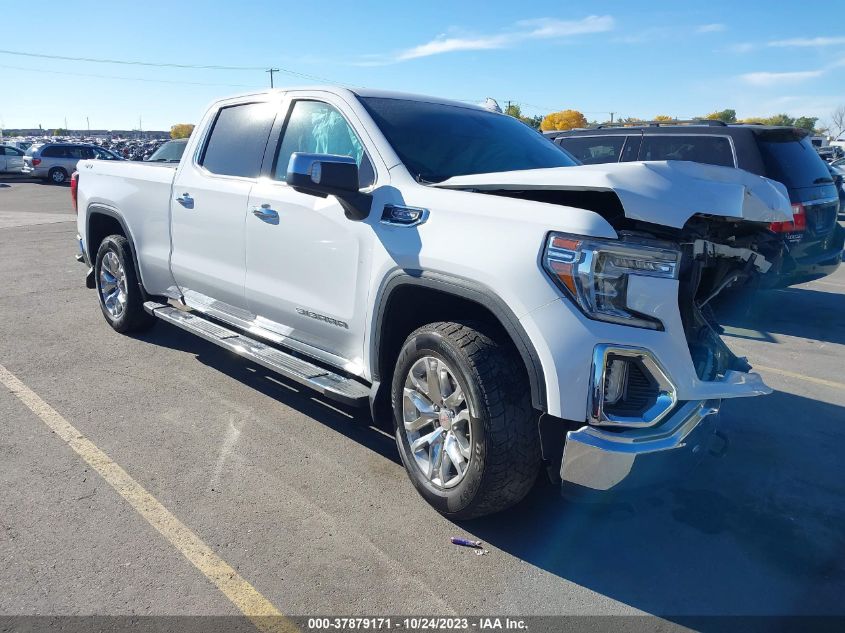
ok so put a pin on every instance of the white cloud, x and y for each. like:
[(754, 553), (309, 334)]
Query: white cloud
[(524, 30), (711, 28), (772, 79), (809, 41), (442, 44), (543, 28), (741, 47)]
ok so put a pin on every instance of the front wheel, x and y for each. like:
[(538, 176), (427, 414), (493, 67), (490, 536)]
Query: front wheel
[(463, 420), (118, 289)]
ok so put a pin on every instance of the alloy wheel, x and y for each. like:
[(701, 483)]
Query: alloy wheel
[(436, 422), (113, 285)]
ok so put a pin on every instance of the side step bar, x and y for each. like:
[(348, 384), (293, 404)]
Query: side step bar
[(327, 383)]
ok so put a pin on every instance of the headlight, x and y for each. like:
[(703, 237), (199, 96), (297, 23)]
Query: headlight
[(594, 274)]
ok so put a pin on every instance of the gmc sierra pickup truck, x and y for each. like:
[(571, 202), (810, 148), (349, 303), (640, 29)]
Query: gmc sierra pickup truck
[(452, 269)]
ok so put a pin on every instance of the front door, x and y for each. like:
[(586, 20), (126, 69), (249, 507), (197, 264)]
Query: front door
[(306, 262), (209, 205)]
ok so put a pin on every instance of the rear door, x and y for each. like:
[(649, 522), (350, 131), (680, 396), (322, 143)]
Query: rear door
[(14, 159), (74, 154), (209, 204), (11, 159), (306, 262)]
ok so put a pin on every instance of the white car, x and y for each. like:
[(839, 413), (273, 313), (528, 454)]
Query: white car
[(11, 159), (450, 268)]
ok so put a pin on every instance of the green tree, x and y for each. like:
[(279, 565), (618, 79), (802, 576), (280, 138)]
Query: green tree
[(726, 116), (181, 130), (60, 131), (806, 122), (780, 119), (514, 110), (629, 120)]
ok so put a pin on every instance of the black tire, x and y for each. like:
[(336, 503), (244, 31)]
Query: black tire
[(57, 176), (505, 448), (133, 318)]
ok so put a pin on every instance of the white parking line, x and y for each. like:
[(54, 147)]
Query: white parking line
[(241, 593), (792, 374)]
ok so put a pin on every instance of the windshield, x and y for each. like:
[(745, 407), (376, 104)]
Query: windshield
[(169, 152), (437, 141)]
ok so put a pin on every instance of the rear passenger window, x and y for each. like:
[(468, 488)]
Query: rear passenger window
[(57, 151), (592, 150), (237, 141), (713, 150)]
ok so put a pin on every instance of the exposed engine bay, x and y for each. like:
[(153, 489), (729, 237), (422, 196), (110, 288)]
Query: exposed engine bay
[(718, 253)]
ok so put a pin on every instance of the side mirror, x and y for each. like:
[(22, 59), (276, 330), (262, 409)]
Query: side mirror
[(325, 175)]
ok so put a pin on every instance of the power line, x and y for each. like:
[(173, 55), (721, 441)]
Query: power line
[(158, 81), (126, 62), (98, 60)]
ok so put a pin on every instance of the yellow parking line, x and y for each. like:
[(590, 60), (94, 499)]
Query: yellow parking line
[(243, 595), (791, 374)]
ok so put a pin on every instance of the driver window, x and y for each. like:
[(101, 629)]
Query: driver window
[(317, 128)]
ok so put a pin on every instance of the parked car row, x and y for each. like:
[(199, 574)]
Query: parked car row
[(831, 153), (56, 161), (813, 240)]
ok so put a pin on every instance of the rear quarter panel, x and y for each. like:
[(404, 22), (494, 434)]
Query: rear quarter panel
[(139, 195)]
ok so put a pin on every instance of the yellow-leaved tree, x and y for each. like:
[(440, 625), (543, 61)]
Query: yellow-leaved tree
[(181, 130), (563, 120), (664, 117)]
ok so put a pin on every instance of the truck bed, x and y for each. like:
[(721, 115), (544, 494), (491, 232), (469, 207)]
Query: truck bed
[(141, 193)]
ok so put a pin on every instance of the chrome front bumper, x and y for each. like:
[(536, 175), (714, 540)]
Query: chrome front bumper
[(596, 458)]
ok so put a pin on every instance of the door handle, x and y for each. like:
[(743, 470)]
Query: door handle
[(186, 201), (266, 214)]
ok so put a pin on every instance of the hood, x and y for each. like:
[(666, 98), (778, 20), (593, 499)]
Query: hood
[(662, 192)]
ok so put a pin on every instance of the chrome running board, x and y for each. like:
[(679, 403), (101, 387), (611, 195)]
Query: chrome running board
[(332, 385)]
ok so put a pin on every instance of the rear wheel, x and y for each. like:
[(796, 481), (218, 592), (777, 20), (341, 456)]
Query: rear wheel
[(57, 176), (463, 420), (121, 298)]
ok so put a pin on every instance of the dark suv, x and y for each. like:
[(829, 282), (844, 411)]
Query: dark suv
[(813, 239)]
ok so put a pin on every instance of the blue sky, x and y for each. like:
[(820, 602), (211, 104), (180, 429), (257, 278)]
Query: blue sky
[(633, 58)]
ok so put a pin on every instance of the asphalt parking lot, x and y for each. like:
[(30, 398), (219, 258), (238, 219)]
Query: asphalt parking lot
[(309, 503)]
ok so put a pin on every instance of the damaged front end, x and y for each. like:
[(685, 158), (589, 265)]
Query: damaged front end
[(643, 427), (640, 430), (685, 233), (717, 255)]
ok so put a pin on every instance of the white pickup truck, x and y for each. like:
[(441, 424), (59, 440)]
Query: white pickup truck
[(450, 268)]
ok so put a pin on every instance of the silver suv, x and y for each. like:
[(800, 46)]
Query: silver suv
[(57, 161)]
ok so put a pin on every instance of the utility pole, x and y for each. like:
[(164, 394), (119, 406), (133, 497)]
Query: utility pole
[(271, 71), (88, 123), (611, 116)]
